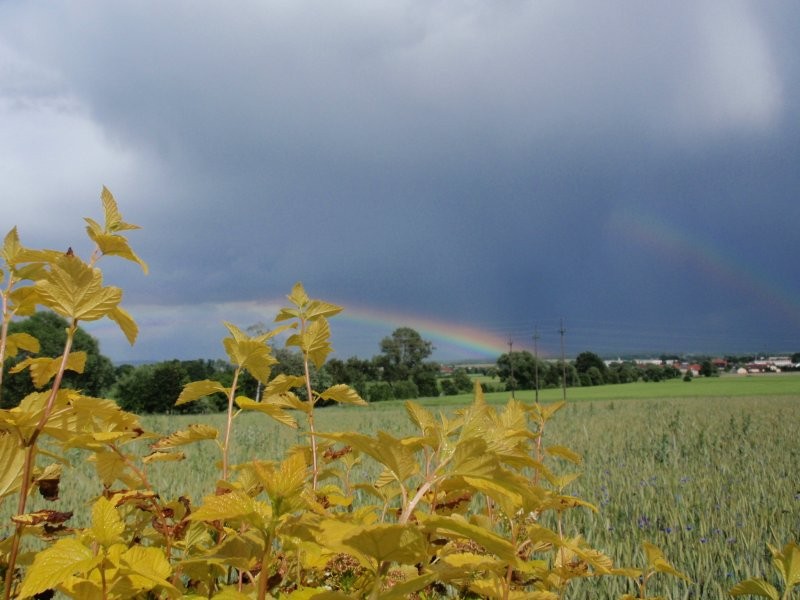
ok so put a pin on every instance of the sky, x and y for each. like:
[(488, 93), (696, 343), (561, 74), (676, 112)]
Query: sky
[(620, 177)]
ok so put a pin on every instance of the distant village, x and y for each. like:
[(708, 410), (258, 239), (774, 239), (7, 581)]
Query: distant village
[(770, 364)]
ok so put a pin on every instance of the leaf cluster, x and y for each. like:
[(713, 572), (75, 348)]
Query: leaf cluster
[(471, 505)]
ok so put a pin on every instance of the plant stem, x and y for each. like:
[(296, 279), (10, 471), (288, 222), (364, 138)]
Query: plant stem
[(311, 428), (30, 458), (229, 424)]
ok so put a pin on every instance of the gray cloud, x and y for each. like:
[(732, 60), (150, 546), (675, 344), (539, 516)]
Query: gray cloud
[(474, 162)]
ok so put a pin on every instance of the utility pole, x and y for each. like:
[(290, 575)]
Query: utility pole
[(562, 331), (536, 362), (511, 362)]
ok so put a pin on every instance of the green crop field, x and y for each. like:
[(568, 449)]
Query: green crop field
[(706, 470)]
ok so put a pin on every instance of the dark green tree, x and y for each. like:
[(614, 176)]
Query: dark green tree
[(708, 369), (585, 361), (50, 329), (449, 388), (518, 370), (402, 354), (461, 381), (425, 377)]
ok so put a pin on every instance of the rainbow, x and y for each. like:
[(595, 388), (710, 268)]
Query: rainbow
[(672, 242), (450, 339)]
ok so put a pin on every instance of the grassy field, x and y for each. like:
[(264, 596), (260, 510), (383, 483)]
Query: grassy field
[(707, 470)]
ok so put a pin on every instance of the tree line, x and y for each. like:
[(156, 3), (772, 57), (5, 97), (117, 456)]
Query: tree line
[(402, 370)]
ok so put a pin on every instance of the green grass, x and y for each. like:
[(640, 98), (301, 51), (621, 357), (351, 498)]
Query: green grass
[(783, 384), (707, 470)]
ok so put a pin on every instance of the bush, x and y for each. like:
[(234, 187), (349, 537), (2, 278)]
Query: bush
[(449, 388), (380, 391), (405, 390)]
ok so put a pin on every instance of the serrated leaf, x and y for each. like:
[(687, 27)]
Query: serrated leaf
[(228, 594), (223, 507), (787, 562), (163, 457), (194, 433), (283, 483), (42, 516), (565, 453), (110, 466), (125, 322), (12, 457), (456, 526), (268, 408), (199, 389), (386, 449), (420, 416), (389, 542), (405, 589), (298, 296), (256, 357), (75, 290), (657, 560), (755, 587), (111, 244), (113, 218), (343, 394), (53, 565), (314, 341), (24, 300), (44, 369), (21, 341), (150, 568), (319, 308), (283, 383), (107, 525), (288, 400)]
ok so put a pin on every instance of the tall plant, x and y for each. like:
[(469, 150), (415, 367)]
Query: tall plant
[(474, 504)]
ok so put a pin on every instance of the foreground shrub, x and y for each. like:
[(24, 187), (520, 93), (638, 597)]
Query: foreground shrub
[(473, 505)]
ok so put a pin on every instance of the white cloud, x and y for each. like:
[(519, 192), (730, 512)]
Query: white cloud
[(732, 81)]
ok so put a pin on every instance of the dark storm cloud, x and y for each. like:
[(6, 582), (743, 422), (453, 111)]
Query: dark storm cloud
[(467, 161)]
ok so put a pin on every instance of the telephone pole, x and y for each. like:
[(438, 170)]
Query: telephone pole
[(562, 331), (511, 362), (536, 362)]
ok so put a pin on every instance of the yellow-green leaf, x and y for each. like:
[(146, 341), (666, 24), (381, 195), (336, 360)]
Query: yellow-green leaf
[(456, 526), (194, 433), (149, 568), (787, 562), (343, 394), (389, 542), (21, 341), (107, 525), (283, 383), (12, 458), (163, 457), (110, 466), (298, 296), (268, 408), (125, 322), (44, 369), (320, 308), (566, 453), (657, 560), (755, 587), (256, 357), (234, 504), (75, 290), (314, 341), (113, 218), (53, 565), (199, 389)]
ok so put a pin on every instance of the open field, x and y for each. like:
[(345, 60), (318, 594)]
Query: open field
[(708, 474)]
